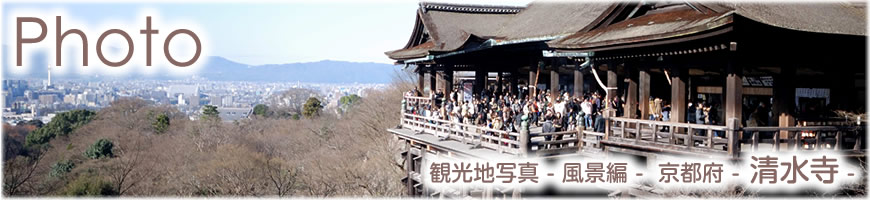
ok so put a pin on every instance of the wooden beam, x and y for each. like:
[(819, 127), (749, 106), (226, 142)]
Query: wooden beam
[(644, 92), (498, 83), (783, 100), (448, 81), (514, 81), (421, 78), (631, 94), (578, 83), (479, 80), (611, 82), (433, 83), (533, 73), (734, 102), (554, 83), (678, 94)]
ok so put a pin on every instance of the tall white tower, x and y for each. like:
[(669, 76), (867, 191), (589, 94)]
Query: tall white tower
[(48, 84)]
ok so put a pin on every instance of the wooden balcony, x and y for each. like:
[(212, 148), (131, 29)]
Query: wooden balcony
[(624, 135)]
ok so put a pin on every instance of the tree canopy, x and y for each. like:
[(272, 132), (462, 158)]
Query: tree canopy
[(210, 112), (161, 123), (61, 125), (261, 110), (312, 107), (101, 149)]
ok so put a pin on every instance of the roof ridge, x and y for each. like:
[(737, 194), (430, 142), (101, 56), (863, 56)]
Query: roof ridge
[(471, 8)]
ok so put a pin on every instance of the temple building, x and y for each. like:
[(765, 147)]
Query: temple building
[(764, 76)]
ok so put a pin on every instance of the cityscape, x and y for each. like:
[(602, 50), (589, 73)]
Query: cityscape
[(33, 99)]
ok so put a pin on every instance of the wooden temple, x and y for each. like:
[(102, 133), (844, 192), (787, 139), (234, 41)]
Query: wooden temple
[(804, 63)]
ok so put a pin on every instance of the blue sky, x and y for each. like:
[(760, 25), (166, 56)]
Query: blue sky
[(266, 32)]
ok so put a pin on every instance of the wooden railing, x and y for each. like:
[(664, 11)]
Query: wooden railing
[(417, 100), (839, 138), (558, 143), (644, 134), (498, 140), (699, 138), (519, 143), (673, 135)]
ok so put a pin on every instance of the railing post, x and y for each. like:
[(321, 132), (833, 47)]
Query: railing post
[(733, 140), (402, 114), (639, 134), (689, 141), (580, 137), (607, 124), (524, 136), (710, 138), (776, 141)]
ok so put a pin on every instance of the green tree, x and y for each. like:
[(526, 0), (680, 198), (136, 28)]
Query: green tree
[(61, 168), (312, 107), (61, 125), (34, 122), (261, 110), (210, 112), (348, 101), (89, 185), (161, 123), (102, 148)]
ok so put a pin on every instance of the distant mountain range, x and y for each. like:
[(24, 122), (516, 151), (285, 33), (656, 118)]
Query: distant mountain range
[(222, 69), (325, 71)]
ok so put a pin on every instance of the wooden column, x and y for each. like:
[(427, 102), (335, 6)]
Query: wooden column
[(734, 101), (533, 75), (498, 83), (644, 92), (578, 82), (479, 80), (433, 83), (611, 83), (783, 99), (554, 83), (734, 92), (515, 80), (631, 94), (448, 81), (409, 185), (678, 93), (421, 78)]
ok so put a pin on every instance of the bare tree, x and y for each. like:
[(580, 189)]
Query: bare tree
[(19, 172)]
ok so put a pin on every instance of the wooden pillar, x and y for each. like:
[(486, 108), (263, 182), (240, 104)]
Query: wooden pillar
[(515, 80), (578, 82), (678, 93), (644, 92), (498, 83), (433, 83), (479, 80), (533, 79), (734, 92), (734, 100), (631, 94), (783, 99), (611, 83), (421, 78), (532, 72), (448, 81), (554, 83), (409, 185)]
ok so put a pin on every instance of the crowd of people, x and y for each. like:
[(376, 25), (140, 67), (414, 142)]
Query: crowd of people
[(500, 110)]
